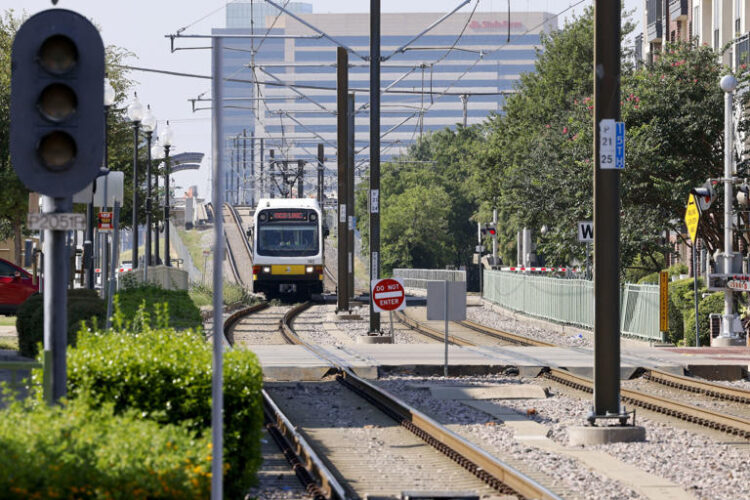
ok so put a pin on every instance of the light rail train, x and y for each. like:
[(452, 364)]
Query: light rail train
[(287, 239)]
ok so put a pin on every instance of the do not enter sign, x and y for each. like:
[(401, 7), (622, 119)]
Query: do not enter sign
[(388, 295)]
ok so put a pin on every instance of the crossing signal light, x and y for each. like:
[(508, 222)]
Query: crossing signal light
[(704, 196), (489, 229), (57, 102)]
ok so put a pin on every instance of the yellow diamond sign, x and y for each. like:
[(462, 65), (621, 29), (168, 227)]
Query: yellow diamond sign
[(692, 217)]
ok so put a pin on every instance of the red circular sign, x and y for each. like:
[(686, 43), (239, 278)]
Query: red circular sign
[(388, 295)]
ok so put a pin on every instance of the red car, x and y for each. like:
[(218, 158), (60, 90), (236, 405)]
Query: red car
[(15, 287)]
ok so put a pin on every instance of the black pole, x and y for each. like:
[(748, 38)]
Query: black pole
[(157, 256), (244, 166), (88, 245), (135, 194), (374, 202), (252, 168), (321, 160), (606, 214), (300, 178), (167, 260), (262, 191), (342, 158), (271, 168), (149, 134)]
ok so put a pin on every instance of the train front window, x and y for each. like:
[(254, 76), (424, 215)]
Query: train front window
[(293, 240)]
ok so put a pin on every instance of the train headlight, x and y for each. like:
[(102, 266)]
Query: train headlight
[(309, 269), (266, 269)]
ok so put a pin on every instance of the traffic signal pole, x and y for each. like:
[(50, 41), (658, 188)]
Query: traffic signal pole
[(342, 158), (374, 201), (56, 271), (606, 215)]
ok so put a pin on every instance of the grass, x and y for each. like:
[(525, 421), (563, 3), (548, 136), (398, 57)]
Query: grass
[(233, 294), (9, 344), (7, 321), (192, 240)]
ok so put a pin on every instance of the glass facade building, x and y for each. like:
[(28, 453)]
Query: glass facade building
[(459, 72)]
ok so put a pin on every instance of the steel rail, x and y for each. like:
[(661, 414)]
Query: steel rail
[(487, 468), (704, 387), (303, 459), (708, 418), (238, 221), (237, 316), (503, 335), (431, 332)]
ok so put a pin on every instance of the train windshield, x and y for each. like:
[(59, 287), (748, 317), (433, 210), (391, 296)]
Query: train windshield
[(291, 240)]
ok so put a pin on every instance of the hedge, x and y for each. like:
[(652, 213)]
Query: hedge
[(710, 304), (183, 313), (83, 305), (166, 376), (77, 451)]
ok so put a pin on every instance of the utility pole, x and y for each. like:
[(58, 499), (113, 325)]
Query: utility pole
[(252, 168), (244, 166), (321, 160), (271, 171), (350, 194), (300, 178), (342, 158), (606, 215), (374, 202), (262, 186), (465, 105)]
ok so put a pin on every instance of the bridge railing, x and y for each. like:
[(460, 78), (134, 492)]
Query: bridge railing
[(571, 301), (418, 278)]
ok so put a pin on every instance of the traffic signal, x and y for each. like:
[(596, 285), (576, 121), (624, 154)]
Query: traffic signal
[(489, 229), (704, 196), (57, 102)]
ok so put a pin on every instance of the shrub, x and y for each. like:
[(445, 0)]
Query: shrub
[(83, 305), (77, 451), (182, 311), (713, 303), (166, 375)]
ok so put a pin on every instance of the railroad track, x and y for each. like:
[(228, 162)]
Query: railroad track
[(705, 417), (471, 333), (239, 253), (708, 417), (415, 441)]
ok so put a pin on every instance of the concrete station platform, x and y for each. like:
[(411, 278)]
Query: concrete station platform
[(374, 360)]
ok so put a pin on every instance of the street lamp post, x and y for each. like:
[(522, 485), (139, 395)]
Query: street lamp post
[(109, 101), (731, 326), (148, 123), (135, 113), (156, 153), (166, 141)]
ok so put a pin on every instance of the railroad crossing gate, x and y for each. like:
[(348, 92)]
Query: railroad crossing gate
[(692, 217), (388, 295)]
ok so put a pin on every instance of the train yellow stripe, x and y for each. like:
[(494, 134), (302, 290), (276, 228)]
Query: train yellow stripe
[(288, 270)]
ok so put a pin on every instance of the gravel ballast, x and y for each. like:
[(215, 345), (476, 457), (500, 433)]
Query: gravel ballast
[(699, 464)]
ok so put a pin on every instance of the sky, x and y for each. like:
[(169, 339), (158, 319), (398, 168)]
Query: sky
[(140, 27)]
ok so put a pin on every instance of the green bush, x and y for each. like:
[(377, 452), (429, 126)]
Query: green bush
[(183, 313), (711, 304), (166, 375), (83, 305), (77, 451)]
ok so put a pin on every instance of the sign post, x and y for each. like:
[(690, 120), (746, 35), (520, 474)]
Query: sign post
[(446, 301), (692, 218)]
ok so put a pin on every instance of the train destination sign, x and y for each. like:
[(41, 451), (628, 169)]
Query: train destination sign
[(296, 215), (388, 295)]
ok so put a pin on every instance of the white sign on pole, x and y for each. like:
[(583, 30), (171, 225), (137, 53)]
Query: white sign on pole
[(585, 231), (611, 144), (374, 201), (342, 213), (115, 189)]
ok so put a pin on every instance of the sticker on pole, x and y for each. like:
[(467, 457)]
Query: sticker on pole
[(388, 295), (611, 144)]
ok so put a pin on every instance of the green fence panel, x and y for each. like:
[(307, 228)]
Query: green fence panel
[(571, 301)]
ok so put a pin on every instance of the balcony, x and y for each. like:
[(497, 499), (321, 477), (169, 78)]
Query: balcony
[(678, 10), (653, 20), (742, 51)]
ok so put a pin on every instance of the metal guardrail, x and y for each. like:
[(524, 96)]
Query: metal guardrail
[(418, 278), (571, 301)]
